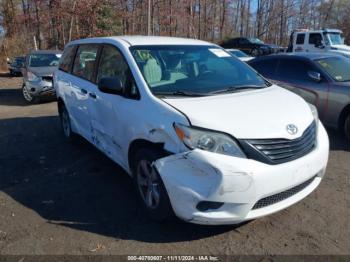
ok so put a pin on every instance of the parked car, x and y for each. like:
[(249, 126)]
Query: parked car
[(240, 55), (251, 46), (37, 74), (325, 40), (199, 131), (322, 79), (15, 66)]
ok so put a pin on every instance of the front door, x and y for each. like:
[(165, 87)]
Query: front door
[(314, 43), (110, 112), (295, 74)]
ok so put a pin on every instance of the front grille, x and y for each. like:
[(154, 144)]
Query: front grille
[(270, 200), (276, 151), (47, 78)]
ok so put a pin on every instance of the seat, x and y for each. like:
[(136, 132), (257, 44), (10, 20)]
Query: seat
[(88, 69), (152, 71)]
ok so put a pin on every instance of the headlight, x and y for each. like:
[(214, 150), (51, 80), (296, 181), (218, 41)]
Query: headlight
[(32, 77), (208, 141), (314, 113)]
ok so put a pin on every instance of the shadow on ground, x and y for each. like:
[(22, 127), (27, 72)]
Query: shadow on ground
[(76, 186), (338, 141), (14, 97)]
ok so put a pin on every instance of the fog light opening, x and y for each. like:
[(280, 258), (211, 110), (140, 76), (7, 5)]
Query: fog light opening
[(209, 205)]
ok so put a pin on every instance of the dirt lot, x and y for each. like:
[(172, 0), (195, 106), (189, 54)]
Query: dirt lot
[(58, 198)]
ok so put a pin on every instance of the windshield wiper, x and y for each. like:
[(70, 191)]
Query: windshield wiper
[(180, 93), (232, 89)]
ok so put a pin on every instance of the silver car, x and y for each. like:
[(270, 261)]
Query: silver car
[(322, 79), (37, 74)]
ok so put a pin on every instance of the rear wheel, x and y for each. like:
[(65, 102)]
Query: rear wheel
[(66, 123), (347, 127), (149, 185)]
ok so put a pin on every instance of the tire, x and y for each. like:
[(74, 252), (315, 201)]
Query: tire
[(347, 127), (149, 185), (66, 126), (255, 52), (28, 97)]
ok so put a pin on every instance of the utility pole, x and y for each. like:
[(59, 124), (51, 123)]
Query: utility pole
[(149, 18)]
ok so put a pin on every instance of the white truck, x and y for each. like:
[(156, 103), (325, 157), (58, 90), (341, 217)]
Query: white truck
[(325, 40)]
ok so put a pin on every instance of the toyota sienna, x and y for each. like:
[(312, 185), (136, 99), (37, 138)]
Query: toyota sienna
[(203, 135)]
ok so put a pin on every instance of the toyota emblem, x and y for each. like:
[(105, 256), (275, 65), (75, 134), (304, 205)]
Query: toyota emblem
[(292, 129)]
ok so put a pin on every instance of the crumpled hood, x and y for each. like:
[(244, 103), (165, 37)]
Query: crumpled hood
[(263, 113), (43, 71)]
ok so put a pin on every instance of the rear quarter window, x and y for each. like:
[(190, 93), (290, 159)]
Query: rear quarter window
[(67, 59)]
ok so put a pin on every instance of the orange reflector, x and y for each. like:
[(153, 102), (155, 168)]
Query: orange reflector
[(180, 133)]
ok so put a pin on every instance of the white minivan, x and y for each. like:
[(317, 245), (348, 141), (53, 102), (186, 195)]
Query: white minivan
[(203, 135)]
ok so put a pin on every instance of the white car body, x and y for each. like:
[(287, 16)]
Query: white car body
[(304, 44), (113, 123)]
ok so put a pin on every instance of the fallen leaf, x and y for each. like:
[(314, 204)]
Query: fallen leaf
[(98, 247)]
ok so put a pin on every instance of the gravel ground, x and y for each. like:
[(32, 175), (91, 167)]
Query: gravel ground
[(59, 198)]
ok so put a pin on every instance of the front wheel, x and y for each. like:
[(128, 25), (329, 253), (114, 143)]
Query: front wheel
[(347, 127), (149, 185), (255, 52), (27, 96)]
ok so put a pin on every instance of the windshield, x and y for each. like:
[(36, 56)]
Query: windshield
[(337, 67), (17, 62), (238, 53), (42, 60), (255, 41), (334, 38), (192, 69)]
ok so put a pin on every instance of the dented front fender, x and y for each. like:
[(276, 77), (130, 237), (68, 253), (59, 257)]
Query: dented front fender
[(198, 175)]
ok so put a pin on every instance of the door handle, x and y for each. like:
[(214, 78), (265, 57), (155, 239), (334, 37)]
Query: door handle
[(93, 95), (83, 91)]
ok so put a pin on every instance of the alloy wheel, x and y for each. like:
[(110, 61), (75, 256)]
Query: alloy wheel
[(148, 184), (27, 96)]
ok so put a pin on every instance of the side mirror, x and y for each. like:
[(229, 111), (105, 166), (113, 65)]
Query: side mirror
[(315, 76), (111, 85)]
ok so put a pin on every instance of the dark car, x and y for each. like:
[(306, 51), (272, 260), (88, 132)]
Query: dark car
[(38, 73), (322, 79), (251, 46), (16, 65)]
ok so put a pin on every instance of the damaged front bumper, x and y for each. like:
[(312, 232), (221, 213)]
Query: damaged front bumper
[(237, 189), (40, 88)]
